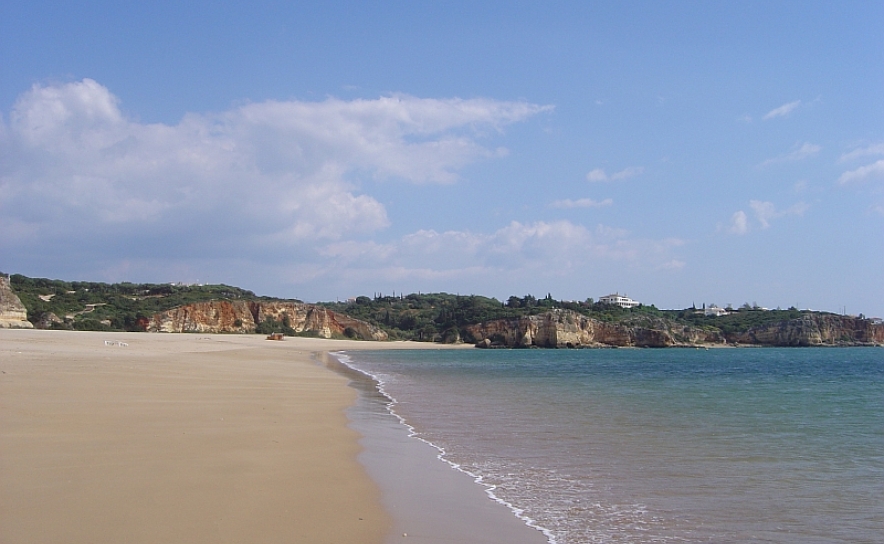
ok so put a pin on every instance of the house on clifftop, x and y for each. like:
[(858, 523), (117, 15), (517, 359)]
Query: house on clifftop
[(619, 300), (715, 311)]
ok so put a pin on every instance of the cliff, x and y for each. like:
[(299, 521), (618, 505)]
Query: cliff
[(569, 329), (814, 330), (244, 317), (13, 314)]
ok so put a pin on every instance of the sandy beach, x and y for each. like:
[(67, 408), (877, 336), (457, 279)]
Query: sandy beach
[(117, 437)]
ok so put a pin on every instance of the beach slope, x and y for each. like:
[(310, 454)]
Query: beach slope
[(178, 438)]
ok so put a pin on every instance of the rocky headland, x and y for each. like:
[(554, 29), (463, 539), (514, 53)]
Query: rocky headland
[(569, 329), (13, 314), (814, 330)]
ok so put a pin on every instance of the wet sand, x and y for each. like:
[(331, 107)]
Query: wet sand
[(428, 500), (179, 438)]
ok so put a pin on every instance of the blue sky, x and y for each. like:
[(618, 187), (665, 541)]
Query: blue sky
[(678, 152)]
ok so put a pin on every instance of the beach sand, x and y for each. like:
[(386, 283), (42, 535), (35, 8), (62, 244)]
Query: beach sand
[(180, 438)]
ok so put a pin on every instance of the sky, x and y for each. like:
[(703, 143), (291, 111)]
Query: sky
[(678, 152)]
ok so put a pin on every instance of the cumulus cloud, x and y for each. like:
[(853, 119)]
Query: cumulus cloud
[(599, 174), (739, 223), (782, 111), (276, 191), (799, 151), (861, 174), (275, 172), (582, 203), (518, 250), (765, 212)]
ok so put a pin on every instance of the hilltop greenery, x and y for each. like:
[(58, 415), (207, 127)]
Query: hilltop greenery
[(739, 320), (81, 305), (442, 316), (427, 317)]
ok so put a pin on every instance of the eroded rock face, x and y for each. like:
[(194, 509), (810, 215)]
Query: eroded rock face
[(568, 329), (207, 317), (564, 328), (814, 330), (13, 314), (326, 323), (244, 317)]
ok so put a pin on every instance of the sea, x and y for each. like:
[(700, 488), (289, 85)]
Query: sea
[(722, 445)]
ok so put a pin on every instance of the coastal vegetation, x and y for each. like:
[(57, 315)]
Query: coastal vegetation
[(82, 305), (429, 317), (440, 315)]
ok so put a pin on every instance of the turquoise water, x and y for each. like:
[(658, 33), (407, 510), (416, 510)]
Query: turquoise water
[(678, 445)]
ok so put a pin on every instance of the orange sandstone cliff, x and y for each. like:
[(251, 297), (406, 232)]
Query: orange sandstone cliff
[(568, 329), (815, 330), (565, 328), (244, 317)]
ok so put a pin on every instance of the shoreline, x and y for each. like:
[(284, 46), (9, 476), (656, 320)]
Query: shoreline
[(110, 437), (431, 500)]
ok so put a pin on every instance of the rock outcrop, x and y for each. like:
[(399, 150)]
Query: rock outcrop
[(814, 330), (569, 329), (13, 314), (47, 320), (244, 317)]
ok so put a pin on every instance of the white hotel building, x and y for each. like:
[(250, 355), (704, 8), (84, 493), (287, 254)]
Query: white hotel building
[(617, 300)]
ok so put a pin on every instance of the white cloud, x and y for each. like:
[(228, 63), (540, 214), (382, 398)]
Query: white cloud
[(874, 149), (272, 174), (599, 174), (765, 212), (799, 151), (874, 170), (520, 252), (582, 203), (782, 111), (627, 173), (277, 191), (739, 223)]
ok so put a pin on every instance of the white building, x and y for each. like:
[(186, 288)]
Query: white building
[(618, 300), (715, 311)]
